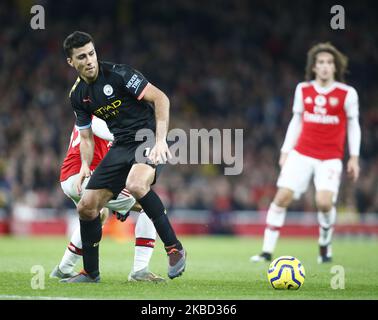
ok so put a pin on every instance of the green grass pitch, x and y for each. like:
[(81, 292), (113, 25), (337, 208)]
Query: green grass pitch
[(217, 268)]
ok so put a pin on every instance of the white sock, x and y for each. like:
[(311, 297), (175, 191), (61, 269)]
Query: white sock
[(142, 257), (145, 235), (72, 254), (326, 221), (274, 221)]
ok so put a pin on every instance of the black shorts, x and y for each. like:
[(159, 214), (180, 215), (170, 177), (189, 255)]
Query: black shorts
[(113, 170)]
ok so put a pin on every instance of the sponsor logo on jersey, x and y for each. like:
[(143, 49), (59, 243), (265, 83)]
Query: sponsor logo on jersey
[(320, 100), (109, 110), (108, 90), (320, 110), (308, 100), (320, 118), (134, 83)]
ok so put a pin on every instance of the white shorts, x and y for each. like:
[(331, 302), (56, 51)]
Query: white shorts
[(124, 202), (298, 170)]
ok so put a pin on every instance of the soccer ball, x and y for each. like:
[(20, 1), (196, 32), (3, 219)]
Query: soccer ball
[(286, 272)]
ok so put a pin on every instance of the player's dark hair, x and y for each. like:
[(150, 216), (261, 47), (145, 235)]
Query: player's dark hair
[(76, 39), (341, 61)]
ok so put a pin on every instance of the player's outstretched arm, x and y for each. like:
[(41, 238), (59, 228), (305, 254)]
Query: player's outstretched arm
[(86, 153), (160, 152)]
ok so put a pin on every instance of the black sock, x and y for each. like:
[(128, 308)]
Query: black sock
[(155, 210), (91, 232)]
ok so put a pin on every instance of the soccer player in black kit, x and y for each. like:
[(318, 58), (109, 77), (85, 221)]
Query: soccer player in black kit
[(127, 102)]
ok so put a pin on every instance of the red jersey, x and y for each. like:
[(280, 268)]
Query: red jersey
[(72, 162), (324, 118)]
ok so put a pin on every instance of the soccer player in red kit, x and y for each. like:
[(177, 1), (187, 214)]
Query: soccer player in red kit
[(145, 233), (325, 110)]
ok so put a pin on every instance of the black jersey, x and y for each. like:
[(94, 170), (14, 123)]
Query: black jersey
[(116, 97)]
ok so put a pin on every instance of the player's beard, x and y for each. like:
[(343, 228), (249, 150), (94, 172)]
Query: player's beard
[(91, 74)]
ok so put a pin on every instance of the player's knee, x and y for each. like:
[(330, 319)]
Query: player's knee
[(324, 201), (283, 198), (137, 189), (86, 210), (323, 205)]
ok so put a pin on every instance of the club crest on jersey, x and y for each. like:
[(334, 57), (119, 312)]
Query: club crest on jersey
[(320, 100), (108, 90), (333, 101), (308, 100)]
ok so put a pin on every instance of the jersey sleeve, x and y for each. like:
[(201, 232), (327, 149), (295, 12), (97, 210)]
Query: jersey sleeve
[(292, 133), (134, 82), (351, 103), (101, 130), (354, 136), (298, 100), (83, 117)]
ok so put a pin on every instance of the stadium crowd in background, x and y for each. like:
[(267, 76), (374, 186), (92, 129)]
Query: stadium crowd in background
[(223, 65)]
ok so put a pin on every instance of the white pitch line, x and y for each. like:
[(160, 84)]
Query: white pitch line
[(15, 297)]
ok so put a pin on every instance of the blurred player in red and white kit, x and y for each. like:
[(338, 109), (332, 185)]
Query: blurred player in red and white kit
[(325, 110), (145, 233)]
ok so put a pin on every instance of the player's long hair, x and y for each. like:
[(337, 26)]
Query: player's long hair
[(341, 61)]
